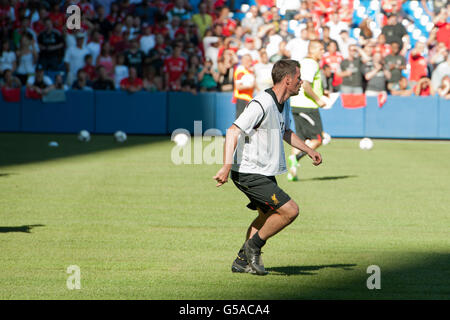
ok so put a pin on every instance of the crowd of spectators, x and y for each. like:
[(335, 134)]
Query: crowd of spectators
[(169, 45)]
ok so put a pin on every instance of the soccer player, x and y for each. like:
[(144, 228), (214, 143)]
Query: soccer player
[(305, 106), (254, 153)]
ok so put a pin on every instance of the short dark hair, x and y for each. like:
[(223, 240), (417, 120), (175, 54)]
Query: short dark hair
[(282, 68)]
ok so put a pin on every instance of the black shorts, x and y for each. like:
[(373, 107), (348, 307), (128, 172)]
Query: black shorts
[(263, 191), (308, 124)]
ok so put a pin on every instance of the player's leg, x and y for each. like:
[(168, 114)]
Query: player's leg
[(312, 143), (240, 264), (280, 205), (310, 127), (293, 163), (257, 223), (276, 222), (283, 217)]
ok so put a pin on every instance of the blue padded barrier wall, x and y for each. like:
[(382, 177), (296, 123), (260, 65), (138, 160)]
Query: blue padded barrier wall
[(162, 113), (444, 119), (140, 112), (225, 111), (414, 117), (10, 115), (341, 122), (76, 114), (185, 108)]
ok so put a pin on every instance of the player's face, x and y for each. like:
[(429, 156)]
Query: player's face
[(320, 51), (296, 83)]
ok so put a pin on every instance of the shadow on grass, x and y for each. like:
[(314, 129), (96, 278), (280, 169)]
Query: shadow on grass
[(406, 276), (330, 178), (25, 228), (23, 148), (305, 270), (4, 175)]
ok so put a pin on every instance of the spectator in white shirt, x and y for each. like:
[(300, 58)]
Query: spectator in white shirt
[(336, 26), (441, 71), (39, 82), (95, 45), (120, 70), (263, 72), (249, 48), (74, 59), (27, 56), (289, 8), (252, 21), (213, 50), (7, 58), (344, 41), (297, 48), (147, 40)]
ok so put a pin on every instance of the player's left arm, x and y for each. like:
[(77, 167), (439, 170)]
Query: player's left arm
[(291, 138)]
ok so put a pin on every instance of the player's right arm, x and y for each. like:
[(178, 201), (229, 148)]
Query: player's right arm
[(309, 69), (247, 121), (231, 139), (310, 92)]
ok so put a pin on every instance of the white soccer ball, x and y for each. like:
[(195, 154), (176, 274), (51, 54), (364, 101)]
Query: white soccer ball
[(326, 138), (120, 136), (181, 139), (248, 80), (366, 144), (53, 144), (84, 136)]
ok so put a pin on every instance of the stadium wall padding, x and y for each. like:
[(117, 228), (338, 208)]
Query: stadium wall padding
[(414, 117), (76, 114), (444, 119), (225, 111), (132, 113), (162, 113), (184, 108), (10, 115), (341, 122), (400, 117)]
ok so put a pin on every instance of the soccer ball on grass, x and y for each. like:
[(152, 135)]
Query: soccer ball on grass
[(120, 136), (84, 136), (366, 144)]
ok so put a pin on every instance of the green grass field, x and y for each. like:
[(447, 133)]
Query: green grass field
[(140, 227)]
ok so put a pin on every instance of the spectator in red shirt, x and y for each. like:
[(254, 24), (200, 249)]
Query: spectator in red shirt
[(333, 58), (89, 68), (39, 25), (418, 63), (443, 32), (423, 88), (115, 15), (267, 3), (58, 18), (160, 26), (87, 8), (116, 40), (385, 49), (5, 13), (228, 24), (174, 67), (132, 83)]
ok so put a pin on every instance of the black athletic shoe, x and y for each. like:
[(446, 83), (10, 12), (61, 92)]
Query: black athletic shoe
[(237, 268), (254, 259)]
